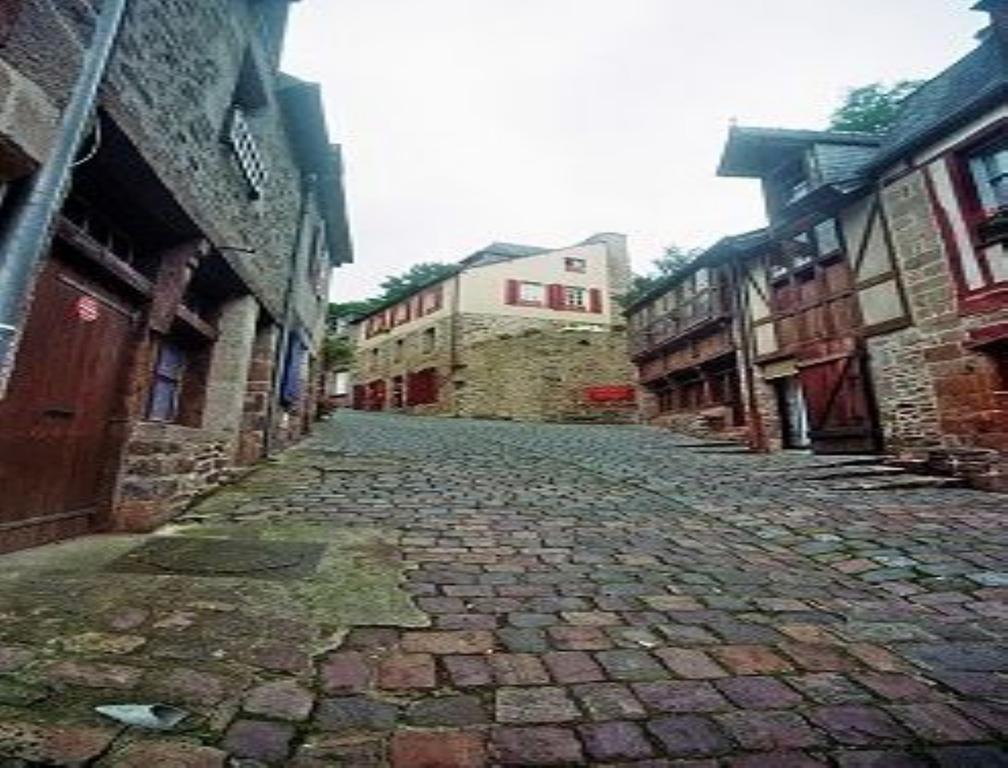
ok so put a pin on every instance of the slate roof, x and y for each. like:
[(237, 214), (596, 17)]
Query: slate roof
[(754, 151), (974, 83)]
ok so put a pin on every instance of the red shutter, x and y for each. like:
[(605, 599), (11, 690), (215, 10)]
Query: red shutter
[(512, 292), (595, 301), (555, 296)]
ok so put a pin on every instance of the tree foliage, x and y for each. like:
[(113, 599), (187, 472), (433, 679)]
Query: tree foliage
[(396, 286), (673, 259), (872, 108)]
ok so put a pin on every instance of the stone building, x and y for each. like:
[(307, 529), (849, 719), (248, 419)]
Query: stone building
[(873, 315), (512, 331), (176, 316)]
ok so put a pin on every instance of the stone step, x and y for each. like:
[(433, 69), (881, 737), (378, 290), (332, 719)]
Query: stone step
[(905, 482)]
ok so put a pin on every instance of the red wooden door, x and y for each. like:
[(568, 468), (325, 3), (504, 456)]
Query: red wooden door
[(54, 450), (834, 383)]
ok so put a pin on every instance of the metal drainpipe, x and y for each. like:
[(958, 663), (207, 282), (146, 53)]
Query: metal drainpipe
[(26, 238), (280, 358)]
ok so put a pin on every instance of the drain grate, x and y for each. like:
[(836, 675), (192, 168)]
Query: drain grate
[(246, 558)]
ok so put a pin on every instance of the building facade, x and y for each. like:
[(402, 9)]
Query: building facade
[(176, 315), (873, 313), (508, 333), (685, 342)]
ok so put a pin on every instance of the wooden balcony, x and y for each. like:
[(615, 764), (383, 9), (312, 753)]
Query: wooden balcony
[(687, 319)]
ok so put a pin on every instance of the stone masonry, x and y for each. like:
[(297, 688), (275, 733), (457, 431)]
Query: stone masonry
[(551, 595)]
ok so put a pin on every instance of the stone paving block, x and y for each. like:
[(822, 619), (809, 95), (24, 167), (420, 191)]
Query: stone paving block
[(536, 746), (937, 723), (859, 726), (630, 665), (896, 687), (355, 714), (445, 643), (438, 749), (880, 759), (518, 669), (765, 731), (680, 696), (777, 759), (534, 705), (818, 658), (759, 693), (280, 700), (970, 757), (690, 663), (441, 711), (750, 659), (689, 736), (94, 674), (579, 638), (615, 741), (568, 667), (345, 672), (523, 640), (406, 671), (166, 754), (51, 744), (829, 688), (608, 701), (259, 740), (468, 671), (12, 658)]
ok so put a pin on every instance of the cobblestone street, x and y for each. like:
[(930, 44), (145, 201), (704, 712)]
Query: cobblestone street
[(586, 595)]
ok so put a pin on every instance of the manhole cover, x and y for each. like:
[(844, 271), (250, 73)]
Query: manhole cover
[(223, 557)]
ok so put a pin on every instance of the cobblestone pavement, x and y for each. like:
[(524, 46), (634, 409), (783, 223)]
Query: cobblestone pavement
[(602, 596)]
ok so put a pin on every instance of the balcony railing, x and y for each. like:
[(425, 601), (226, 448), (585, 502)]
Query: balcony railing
[(704, 307)]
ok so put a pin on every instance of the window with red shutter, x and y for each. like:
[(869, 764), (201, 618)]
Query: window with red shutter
[(555, 296), (512, 288)]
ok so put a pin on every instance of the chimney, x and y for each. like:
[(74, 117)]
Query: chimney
[(998, 10)]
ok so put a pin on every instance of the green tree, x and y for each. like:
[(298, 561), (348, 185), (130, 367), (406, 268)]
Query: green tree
[(673, 259), (396, 286), (872, 108)]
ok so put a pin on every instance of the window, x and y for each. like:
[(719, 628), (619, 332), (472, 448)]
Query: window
[(246, 152), (422, 387), (432, 301), (827, 237), (429, 340), (574, 297), (401, 314), (576, 265), (989, 169), (397, 350), (531, 293), (166, 388)]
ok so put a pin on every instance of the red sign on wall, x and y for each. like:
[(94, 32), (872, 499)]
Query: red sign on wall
[(613, 394)]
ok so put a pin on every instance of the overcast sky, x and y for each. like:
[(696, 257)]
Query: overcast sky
[(545, 121)]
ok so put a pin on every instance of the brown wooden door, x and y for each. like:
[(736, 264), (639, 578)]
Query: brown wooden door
[(54, 421), (834, 383)]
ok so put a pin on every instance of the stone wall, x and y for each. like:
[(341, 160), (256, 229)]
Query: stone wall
[(542, 375), (933, 390)]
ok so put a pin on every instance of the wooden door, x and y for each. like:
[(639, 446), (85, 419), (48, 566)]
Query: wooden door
[(54, 422), (841, 414)]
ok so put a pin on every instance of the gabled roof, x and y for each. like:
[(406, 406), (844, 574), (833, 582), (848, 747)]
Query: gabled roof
[(754, 151), (721, 251), (971, 85), (301, 103), (496, 252)]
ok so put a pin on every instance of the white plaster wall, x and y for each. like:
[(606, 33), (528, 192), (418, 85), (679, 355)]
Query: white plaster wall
[(483, 288)]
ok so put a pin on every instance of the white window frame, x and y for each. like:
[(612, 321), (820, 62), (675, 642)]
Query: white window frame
[(575, 297), (531, 293), (989, 169)]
